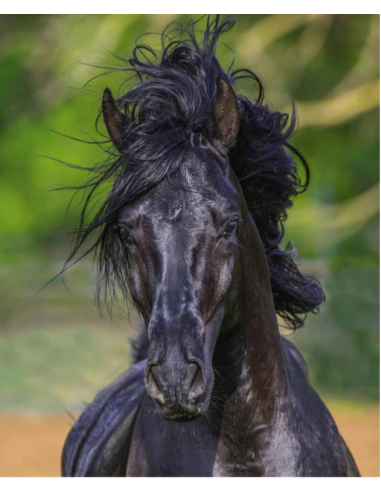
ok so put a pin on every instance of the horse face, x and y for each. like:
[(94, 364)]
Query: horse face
[(181, 241)]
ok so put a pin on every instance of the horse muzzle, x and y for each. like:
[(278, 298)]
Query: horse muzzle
[(178, 387)]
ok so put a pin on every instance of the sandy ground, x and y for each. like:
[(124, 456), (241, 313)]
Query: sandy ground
[(31, 445)]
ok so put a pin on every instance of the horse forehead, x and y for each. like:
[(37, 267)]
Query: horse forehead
[(198, 190), (183, 219), (184, 211), (181, 205), (191, 210), (182, 201)]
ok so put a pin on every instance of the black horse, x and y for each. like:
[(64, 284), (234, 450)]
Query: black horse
[(191, 230)]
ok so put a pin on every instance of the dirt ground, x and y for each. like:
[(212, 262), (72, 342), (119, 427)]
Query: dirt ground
[(31, 445)]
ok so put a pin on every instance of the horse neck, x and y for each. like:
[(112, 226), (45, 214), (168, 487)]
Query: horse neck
[(263, 342), (255, 349)]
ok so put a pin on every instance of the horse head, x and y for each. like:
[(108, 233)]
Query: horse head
[(181, 241), (201, 183)]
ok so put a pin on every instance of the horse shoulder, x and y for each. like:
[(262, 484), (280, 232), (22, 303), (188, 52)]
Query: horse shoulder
[(318, 446), (96, 444)]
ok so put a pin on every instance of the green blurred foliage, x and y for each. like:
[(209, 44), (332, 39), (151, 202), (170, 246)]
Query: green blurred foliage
[(328, 64)]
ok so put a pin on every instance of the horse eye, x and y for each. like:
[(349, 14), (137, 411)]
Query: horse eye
[(231, 227), (124, 234)]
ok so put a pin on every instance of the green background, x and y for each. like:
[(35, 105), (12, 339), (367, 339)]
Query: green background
[(55, 349)]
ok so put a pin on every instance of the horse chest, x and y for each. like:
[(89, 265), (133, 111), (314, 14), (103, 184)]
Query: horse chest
[(162, 448), (256, 450)]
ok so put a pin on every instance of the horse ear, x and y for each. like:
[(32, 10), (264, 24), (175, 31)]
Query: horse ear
[(115, 120), (226, 113)]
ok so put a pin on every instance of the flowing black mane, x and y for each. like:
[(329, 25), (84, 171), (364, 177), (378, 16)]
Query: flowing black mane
[(172, 99)]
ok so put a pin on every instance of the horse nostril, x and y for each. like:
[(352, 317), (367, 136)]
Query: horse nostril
[(153, 387), (198, 386)]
